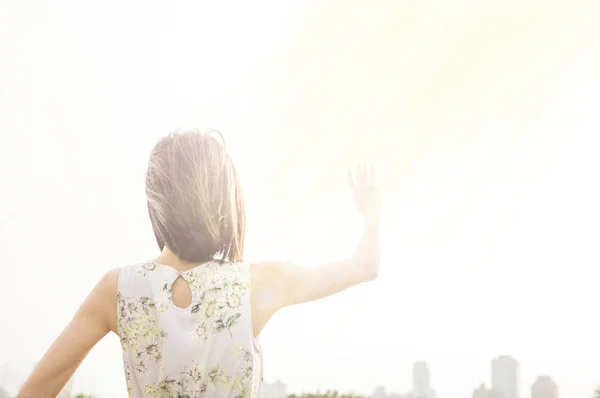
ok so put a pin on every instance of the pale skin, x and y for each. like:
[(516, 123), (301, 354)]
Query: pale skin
[(274, 285)]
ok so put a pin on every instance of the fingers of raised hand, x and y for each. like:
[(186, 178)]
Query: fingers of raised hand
[(372, 174), (366, 171), (363, 176)]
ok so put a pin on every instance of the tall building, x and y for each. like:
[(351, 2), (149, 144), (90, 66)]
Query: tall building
[(505, 380), (422, 381), (274, 390), (544, 387)]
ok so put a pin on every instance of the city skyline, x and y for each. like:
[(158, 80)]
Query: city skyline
[(504, 373), (504, 380)]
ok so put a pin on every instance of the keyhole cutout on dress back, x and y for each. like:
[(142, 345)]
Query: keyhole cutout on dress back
[(181, 293)]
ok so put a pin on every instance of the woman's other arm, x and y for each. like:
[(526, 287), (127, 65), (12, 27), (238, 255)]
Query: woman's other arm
[(93, 320), (278, 284)]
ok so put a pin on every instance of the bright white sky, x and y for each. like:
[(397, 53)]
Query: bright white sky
[(484, 116)]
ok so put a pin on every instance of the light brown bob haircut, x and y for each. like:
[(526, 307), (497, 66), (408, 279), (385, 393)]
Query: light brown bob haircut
[(195, 199)]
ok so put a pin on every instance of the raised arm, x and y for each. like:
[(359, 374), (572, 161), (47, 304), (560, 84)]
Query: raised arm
[(278, 284), (94, 319)]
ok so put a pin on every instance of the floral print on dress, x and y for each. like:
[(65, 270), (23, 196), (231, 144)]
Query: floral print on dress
[(244, 378), (170, 351)]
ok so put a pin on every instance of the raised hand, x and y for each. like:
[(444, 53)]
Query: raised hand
[(365, 190), (289, 284)]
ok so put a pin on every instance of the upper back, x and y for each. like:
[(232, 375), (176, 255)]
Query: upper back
[(205, 349)]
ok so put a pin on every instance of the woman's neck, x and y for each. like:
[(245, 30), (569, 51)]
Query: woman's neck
[(167, 257)]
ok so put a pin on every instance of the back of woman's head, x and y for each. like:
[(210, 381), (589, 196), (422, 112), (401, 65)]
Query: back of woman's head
[(195, 199)]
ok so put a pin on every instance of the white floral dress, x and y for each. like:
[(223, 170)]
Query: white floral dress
[(204, 350)]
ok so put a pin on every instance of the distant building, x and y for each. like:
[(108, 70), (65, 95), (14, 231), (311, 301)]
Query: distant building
[(505, 380), (422, 381), (544, 387), (274, 390), (380, 392), (483, 392)]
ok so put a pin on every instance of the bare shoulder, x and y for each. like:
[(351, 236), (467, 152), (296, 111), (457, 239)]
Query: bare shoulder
[(277, 282), (109, 282), (275, 277), (264, 272), (268, 281), (104, 297), (111, 278)]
